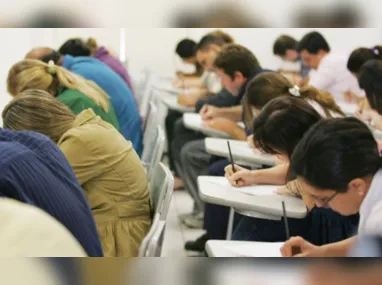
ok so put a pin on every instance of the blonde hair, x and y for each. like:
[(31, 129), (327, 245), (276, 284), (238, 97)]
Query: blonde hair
[(37, 110), (35, 74), (226, 37), (269, 85), (92, 45)]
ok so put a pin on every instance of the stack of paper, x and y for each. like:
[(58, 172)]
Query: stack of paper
[(257, 190)]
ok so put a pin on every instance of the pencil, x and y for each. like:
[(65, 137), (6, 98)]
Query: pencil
[(230, 155)]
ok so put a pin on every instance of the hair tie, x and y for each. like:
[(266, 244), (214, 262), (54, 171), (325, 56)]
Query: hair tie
[(295, 91), (51, 67), (375, 51)]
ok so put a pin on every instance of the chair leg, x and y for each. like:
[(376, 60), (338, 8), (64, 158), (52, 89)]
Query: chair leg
[(230, 224)]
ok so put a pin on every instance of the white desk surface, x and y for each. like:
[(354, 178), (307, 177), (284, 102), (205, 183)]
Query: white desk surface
[(194, 122), (167, 88), (222, 248), (348, 109), (211, 190), (172, 103), (241, 152)]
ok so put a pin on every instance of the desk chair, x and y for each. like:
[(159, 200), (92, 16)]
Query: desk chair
[(152, 243), (153, 150), (146, 95), (150, 122), (161, 189)]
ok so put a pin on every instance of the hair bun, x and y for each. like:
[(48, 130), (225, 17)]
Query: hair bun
[(51, 67)]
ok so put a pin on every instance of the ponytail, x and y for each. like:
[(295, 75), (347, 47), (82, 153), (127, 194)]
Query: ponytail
[(361, 55)]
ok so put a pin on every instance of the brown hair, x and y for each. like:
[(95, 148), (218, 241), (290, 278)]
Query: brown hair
[(236, 58), (35, 74), (92, 44), (269, 85), (226, 37), (37, 110)]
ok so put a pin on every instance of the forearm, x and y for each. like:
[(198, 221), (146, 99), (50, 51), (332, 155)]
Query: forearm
[(339, 249), (238, 133), (275, 175), (232, 113)]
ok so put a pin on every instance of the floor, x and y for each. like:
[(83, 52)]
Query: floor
[(176, 233)]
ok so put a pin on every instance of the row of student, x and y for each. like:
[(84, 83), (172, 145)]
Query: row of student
[(70, 145), (197, 161)]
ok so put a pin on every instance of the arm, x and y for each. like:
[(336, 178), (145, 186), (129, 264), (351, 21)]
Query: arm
[(339, 249), (234, 114), (190, 99)]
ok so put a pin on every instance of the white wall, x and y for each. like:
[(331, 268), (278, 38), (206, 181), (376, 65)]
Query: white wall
[(154, 48)]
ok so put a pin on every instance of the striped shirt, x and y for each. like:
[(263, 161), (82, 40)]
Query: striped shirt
[(36, 172)]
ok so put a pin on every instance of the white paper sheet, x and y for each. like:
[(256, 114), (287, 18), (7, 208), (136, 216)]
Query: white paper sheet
[(257, 190), (256, 249)]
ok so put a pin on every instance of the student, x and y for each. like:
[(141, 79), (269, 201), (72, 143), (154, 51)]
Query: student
[(262, 89), (72, 90), (186, 50), (177, 135), (104, 163), (285, 47), (120, 95), (337, 164), (329, 72), (34, 171), (22, 227), (370, 80), (78, 47), (236, 66)]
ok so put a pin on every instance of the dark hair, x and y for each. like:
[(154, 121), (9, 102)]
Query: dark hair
[(186, 48), (313, 42), (54, 55), (282, 124), (283, 43), (270, 85), (370, 80), (359, 56), (334, 152), (236, 58), (218, 38), (75, 47)]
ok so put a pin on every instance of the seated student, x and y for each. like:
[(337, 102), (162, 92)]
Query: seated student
[(338, 165), (285, 47), (206, 52), (186, 50), (277, 130), (329, 72), (260, 90), (72, 90), (22, 227), (104, 163), (120, 95), (236, 66), (370, 80), (78, 47), (356, 59), (34, 171)]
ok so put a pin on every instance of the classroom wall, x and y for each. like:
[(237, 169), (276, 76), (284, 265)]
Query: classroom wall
[(154, 48)]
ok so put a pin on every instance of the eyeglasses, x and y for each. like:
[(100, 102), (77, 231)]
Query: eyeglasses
[(325, 201)]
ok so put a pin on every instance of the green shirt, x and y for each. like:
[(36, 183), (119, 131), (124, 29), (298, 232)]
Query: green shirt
[(77, 102)]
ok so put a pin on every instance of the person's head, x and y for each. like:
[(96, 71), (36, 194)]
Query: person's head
[(45, 54), (234, 65), (360, 56), (286, 48), (270, 85), (35, 74), (37, 110), (186, 50), (370, 80), (281, 125), (208, 48), (334, 163), (312, 48), (75, 47)]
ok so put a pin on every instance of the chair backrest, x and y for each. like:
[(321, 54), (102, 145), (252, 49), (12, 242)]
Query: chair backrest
[(150, 122), (149, 235), (155, 244), (153, 150), (161, 189), (147, 94)]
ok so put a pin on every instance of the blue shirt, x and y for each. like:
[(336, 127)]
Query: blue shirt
[(36, 172), (120, 95)]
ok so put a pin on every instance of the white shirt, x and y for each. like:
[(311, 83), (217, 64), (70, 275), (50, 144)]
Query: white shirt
[(333, 76), (27, 231), (211, 81), (316, 106), (371, 209)]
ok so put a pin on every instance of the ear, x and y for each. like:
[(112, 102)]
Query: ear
[(357, 186)]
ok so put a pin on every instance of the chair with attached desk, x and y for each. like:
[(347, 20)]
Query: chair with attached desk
[(153, 242), (153, 151)]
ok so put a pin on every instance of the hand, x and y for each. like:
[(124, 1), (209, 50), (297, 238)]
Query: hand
[(306, 248), (283, 191), (220, 124), (250, 142), (370, 116), (186, 100), (178, 83), (209, 112), (242, 176)]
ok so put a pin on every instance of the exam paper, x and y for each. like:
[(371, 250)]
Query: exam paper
[(256, 190)]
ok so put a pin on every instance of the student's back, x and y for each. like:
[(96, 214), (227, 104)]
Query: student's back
[(120, 95), (35, 171)]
